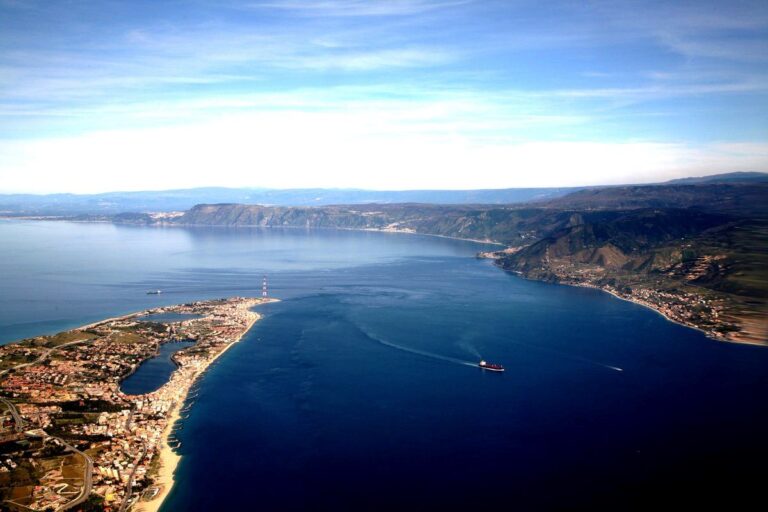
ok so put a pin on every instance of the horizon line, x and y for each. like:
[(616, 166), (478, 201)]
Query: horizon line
[(356, 189)]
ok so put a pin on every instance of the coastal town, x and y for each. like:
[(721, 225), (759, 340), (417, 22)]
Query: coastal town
[(71, 439), (666, 292)]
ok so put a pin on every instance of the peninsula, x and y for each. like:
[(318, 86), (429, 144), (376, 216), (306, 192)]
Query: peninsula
[(71, 438)]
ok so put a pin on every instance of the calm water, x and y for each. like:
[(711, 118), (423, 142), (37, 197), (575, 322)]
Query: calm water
[(154, 372), (353, 393)]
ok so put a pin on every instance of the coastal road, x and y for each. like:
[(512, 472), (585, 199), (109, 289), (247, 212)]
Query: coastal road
[(17, 420), (19, 425), (43, 356), (87, 477), (88, 472), (129, 490)]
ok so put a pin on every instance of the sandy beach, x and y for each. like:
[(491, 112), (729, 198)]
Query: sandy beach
[(169, 459)]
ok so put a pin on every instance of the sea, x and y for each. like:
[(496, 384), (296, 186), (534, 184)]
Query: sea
[(360, 390)]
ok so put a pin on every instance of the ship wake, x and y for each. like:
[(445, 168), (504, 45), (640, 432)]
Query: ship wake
[(418, 352), (564, 355)]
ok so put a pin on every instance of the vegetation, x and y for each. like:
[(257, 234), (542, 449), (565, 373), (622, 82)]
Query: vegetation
[(678, 245)]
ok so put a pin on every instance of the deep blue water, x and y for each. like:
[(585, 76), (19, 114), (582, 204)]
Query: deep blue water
[(351, 394), (154, 372)]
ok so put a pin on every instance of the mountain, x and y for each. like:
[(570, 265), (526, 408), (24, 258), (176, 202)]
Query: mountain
[(177, 200), (507, 225), (735, 198), (722, 178), (698, 253), (695, 251)]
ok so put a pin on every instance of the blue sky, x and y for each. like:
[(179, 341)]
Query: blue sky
[(398, 94)]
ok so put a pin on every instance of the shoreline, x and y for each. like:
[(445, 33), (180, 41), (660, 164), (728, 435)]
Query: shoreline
[(175, 225), (648, 306), (169, 459), (710, 335), (370, 230), (406, 232)]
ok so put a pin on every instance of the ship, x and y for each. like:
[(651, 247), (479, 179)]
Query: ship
[(154, 292), (490, 366)]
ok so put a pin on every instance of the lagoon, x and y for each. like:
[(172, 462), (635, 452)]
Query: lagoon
[(154, 372)]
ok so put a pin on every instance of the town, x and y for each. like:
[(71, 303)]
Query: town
[(69, 437)]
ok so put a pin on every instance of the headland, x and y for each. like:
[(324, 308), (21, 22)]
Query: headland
[(73, 437)]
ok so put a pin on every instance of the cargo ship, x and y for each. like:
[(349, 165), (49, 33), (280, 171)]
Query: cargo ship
[(154, 292), (490, 366)]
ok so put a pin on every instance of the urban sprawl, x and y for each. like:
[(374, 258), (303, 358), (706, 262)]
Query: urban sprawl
[(69, 437)]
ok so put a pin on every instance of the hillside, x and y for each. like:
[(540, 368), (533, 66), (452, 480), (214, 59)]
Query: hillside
[(705, 270), (742, 199), (507, 225), (111, 203), (742, 177), (176, 200), (698, 253)]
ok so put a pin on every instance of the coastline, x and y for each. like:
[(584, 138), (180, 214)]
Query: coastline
[(169, 460), (406, 231), (178, 225), (712, 336), (648, 306), (412, 232), (754, 336), (737, 339)]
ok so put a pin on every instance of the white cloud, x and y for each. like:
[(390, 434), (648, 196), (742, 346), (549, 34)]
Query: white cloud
[(296, 149), (416, 95)]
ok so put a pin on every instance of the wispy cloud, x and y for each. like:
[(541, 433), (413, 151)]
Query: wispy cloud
[(742, 49), (666, 90), (359, 7), (713, 30), (390, 76), (325, 152)]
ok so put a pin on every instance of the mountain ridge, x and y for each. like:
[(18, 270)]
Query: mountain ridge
[(696, 252), (110, 203)]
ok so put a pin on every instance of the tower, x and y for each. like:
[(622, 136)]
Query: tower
[(264, 288)]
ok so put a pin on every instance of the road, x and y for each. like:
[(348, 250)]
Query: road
[(43, 356), (129, 490), (87, 476), (88, 471), (17, 420)]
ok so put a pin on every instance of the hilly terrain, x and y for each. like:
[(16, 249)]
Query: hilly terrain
[(174, 200), (696, 251), (741, 199), (112, 203)]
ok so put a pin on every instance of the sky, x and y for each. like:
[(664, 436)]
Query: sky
[(107, 95)]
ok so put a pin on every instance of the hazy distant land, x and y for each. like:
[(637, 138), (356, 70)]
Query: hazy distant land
[(694, 249)]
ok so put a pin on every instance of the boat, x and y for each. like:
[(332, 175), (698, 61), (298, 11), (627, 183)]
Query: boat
[(154, 292), (490, 366)]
